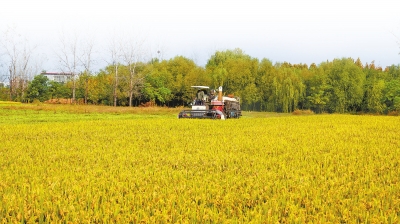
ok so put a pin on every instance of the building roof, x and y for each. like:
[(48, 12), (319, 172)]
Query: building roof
[(56, 73)]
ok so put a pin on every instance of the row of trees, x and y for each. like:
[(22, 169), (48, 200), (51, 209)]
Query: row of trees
[(16, 65), (75, 55), (339, 86)]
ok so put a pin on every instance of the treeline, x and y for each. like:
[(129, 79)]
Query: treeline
[(343, 85)]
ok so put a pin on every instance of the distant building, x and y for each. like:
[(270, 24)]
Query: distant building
[(61, 77)]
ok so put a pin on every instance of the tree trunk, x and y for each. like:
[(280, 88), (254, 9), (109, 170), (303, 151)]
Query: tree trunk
[(130, 92), (115, 86), (11, 89), (132, 73), (86, 89), (73, 88)]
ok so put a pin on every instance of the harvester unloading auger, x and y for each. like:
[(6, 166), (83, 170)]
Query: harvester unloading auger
[(208, 105)]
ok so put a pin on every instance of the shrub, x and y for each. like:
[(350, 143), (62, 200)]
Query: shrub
[(302, 112), (148, 104), (393, 113)]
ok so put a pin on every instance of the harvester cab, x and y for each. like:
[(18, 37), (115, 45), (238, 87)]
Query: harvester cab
[(208, 105)]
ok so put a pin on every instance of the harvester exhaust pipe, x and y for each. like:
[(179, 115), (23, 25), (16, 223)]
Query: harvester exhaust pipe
[(220, 93)]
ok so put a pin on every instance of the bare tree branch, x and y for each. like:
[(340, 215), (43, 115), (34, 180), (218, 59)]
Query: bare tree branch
[(115, 54), (21, 68), (68, 58), (132, 52), (86, 60)]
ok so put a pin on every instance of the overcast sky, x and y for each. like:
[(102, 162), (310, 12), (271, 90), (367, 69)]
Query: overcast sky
[(281, 30)]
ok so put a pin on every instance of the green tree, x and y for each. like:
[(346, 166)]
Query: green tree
[(374, 87), (104, 89), (375, 97), (392, 95), (4, 92), (251, 96), (283, 86), (290, 89), (38, 89), (265, 80), (317, 94), (180, 71), (346, 81), (157, 85), (226, 67), (236, 72), (241, 78), (58, 90)]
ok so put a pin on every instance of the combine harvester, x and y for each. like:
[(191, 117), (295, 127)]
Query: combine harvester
[(207, 105)]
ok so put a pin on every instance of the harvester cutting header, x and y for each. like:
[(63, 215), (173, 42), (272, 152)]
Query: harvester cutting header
[(209, 105)]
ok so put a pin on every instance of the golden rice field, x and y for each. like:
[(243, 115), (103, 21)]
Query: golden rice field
[(63, 166)]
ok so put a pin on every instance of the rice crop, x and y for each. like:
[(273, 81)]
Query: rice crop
[(290, 169)]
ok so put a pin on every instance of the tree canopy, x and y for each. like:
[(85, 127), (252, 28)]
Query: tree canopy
[(340, 86)]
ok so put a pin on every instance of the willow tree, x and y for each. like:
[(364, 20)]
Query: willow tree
[(289, 88), (265, 81)]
